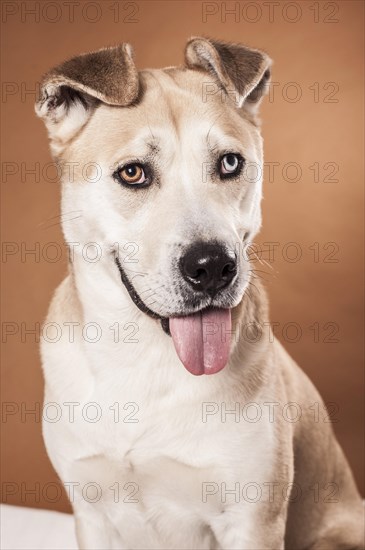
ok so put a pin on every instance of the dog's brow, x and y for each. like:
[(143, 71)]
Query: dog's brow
[(152, 146), (207, 136), (150, 129)]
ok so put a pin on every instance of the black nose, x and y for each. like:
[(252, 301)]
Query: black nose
[(208, 267)]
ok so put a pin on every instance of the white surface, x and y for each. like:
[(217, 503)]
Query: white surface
[(32, 529)]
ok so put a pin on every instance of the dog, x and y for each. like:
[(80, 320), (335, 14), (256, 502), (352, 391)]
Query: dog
[(185, 424)]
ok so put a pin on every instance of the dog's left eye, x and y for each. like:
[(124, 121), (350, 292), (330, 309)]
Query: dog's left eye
[(132, 174), (230, 165)]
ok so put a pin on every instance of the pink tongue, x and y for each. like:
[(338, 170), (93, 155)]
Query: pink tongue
[(202, 340)]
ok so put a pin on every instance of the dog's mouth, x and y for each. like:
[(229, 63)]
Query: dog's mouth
[(201, 339)]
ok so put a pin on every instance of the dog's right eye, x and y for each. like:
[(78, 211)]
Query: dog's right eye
[(133, 175)]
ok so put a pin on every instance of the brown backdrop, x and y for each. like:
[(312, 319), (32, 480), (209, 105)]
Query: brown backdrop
[(312, 206)]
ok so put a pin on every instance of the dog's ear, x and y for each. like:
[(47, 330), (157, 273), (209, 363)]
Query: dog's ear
[(70, 92), (243, 73)]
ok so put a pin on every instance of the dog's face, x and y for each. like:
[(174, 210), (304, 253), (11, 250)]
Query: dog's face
[(169, 184), (173, 177)]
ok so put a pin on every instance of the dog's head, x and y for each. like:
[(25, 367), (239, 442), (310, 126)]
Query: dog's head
[(165, 169)]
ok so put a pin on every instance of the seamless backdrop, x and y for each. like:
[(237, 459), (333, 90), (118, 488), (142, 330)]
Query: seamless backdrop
[(312, 236)]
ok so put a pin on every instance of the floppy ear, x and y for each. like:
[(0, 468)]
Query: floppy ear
[(70, 92), (243, 73)]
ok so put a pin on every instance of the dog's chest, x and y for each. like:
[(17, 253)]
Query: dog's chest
[(146, 458), (159, 465), (151, 500), (148, 472)]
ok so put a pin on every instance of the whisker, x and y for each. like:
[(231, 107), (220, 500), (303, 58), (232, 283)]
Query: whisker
[(64, 214), (63, 221), (136, 273), (257, 274), (58, 216)]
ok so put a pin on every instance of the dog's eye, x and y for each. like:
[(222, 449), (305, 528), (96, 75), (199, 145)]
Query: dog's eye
[(230, 165), (132, 174)]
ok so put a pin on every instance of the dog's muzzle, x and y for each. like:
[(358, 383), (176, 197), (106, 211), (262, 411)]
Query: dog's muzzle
[(201, 339)]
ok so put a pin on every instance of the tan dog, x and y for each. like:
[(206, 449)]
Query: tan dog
[(159, 203)]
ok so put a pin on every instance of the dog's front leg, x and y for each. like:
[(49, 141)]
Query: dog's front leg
[(90, 535), (93, 532), (242, 528)]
